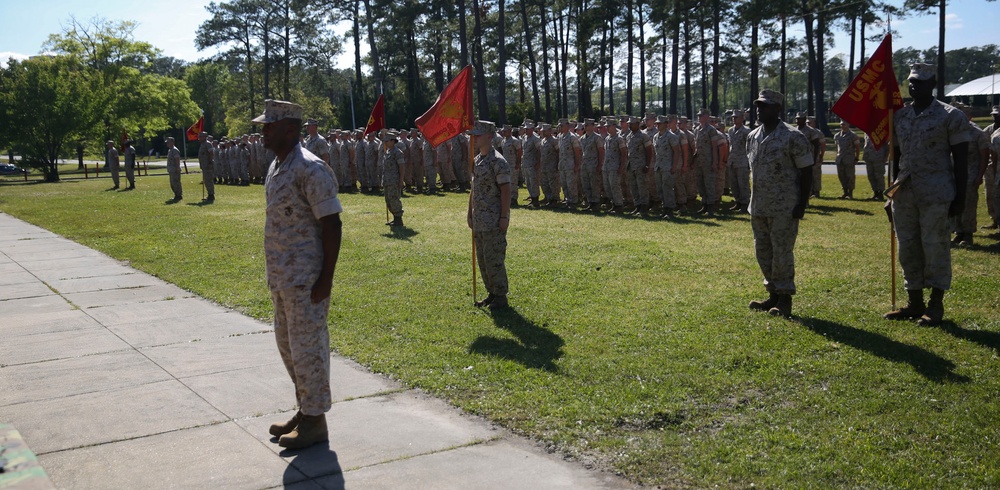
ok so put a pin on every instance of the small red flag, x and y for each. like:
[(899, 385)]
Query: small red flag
[(452, 113), (868, 99), (376, 121), (192, 132)]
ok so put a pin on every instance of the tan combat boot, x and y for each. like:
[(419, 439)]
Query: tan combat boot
[(311, 429), (281, 428)]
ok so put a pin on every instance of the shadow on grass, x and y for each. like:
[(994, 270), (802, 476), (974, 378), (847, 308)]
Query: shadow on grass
[(984, 338), (316, 461), (828, 210), (928, 364), (536, 347), (203, 202), (400, 233), (169, 202), (992, 249)]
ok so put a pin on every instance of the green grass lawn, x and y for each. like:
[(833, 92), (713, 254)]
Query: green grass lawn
[(630, 345)]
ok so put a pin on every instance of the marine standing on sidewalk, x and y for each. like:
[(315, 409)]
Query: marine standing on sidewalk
[(781, 166), (302, 233), (929, 166), (489, 214)]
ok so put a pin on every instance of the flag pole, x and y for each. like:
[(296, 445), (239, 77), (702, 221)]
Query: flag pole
[(892, 226), (472, 190)]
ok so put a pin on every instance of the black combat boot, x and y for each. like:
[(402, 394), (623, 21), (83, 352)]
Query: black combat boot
[(914, 307), (935, 309), (765, 305), (783, 307)]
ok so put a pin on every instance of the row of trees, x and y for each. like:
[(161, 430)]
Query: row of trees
[(543, 59), (98, 83), (540, 59)]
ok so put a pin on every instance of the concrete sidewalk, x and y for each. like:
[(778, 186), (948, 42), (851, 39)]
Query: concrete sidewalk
[(117, 379)]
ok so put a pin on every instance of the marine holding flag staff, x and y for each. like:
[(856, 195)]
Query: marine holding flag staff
[(929, 166)]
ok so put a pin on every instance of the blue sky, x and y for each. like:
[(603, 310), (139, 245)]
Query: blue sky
[(170, 25)]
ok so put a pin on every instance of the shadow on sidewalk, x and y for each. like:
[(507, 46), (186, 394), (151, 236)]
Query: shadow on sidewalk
[(317, 461), (536, 347), (927, 363)]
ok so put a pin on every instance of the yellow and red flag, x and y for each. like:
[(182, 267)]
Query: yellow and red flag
[(452, 113), (871, 95), (376, 121), (198, 127)]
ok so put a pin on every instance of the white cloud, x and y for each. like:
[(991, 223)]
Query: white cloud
[(953, 21), (7, 55)]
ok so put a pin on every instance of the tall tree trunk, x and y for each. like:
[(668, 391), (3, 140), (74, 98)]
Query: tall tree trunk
[(688, 100), (716, 26), (437, 53), (502, 68), (376, 66), (287, 92), (611, 64), (628, 71), (663, 67), (704, 66), (850, 64), (463, 38), (357, 51), (811, 44), (783, 71), (477, 33), (675, 56), (556, 60), (530, 48), (604, 59), (522, 97), (547, 86), (584, 31), (642, 58), (820, 66), (754, 66), (861, 57), (940, 53), (564, 48)]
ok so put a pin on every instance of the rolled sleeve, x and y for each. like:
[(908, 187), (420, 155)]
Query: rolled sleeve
[(801, 151), (956, 129)]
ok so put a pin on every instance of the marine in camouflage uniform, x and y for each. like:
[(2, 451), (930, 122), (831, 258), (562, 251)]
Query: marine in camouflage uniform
[(990, 176), (373, 162), (549, 155), (489, 214), (302, 234), (460, 160), (613, 167), (708, 156), (510, 148), (531, 147), (442, 158), (818, 142), (739, 164), (848, 150), (781, 165), (932, 140), (591, 158), (174, 168), (686, 180), (416, 152), (205, 161), (130, 165), (979, 153), (111, 162), (315, 143), (640, 159), (875, 162), (668, 154), (430, 170), (569, 163), (394, 168)]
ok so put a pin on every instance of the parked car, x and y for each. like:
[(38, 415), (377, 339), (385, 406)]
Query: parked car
[(8, 169)]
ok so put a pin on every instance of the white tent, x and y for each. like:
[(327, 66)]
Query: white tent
[(987, 85)]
